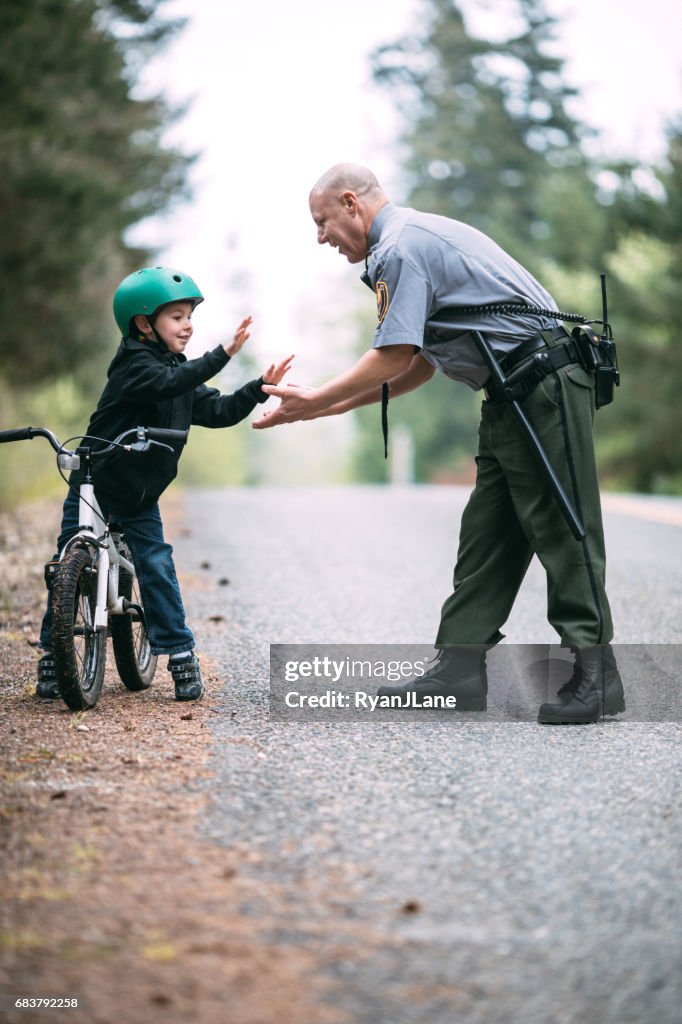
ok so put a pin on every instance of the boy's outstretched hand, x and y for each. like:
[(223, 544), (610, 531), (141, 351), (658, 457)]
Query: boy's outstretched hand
[(274, 373), (241, 335)]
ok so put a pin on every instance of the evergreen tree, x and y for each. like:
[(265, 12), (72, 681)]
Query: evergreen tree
[(487, 123), (642, 446), (81, 161)]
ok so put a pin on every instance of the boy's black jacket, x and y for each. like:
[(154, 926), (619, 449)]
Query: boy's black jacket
[(149, 386)]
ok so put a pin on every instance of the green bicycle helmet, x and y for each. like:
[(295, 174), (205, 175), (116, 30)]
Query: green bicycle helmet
[(146, 290)]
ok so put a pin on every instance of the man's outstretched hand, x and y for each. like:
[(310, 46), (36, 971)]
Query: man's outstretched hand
[(297, 403)]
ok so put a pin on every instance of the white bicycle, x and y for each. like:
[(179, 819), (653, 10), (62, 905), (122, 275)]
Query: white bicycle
[(93, 583)]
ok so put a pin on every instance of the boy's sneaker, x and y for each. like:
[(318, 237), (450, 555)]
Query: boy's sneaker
[(47, 678), (187, 677)]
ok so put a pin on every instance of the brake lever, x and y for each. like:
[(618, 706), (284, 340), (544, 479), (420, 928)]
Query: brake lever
[(143, 445)]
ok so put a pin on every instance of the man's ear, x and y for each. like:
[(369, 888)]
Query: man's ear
[(143, 325), (349, 201)]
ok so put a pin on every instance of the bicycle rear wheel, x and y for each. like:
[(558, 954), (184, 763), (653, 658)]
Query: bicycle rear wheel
[(79, 648), (134, 659)]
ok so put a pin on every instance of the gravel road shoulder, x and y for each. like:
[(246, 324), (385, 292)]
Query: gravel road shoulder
[(110, 895)]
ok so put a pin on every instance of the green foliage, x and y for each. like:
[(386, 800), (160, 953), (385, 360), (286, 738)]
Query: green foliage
[(639, 436), (444, 444), (489, 140), (81, 160), (486, 121), (29, 467)]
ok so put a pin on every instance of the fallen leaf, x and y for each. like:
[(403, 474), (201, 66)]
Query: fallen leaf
[(159, 952)]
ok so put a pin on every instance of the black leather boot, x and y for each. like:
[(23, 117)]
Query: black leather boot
[(595, 688), (458, 672), (613, 694)]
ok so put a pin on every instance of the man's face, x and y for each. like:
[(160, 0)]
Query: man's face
[(339, 224)]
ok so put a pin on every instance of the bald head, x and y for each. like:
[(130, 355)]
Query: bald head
[(348, 178), (343, 204)]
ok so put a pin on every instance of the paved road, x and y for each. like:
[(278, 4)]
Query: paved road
[(449, 870)]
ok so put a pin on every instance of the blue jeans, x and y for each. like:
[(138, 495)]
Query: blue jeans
[(153, 557)]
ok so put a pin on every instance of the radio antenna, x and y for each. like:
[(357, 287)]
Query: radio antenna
[(605, 316)]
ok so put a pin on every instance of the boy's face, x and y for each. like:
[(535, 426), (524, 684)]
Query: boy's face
[(173, 324)]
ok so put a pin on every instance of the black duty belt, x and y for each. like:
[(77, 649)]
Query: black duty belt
[(531, 362), (531, 346)]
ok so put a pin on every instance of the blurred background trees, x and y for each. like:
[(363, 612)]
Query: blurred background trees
[(81, 161), (488, 139)]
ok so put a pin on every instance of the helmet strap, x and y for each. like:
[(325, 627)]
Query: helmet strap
[(156, 333), (151, 322)]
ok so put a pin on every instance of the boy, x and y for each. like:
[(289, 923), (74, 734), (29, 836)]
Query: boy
[(151, 383)]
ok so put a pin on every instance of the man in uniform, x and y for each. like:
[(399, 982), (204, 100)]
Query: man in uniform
[(419, 264)]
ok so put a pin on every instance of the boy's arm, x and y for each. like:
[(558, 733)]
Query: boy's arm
[(212, 409), (149, 379)]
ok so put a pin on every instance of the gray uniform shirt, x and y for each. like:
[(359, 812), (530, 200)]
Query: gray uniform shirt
[(420, 263)]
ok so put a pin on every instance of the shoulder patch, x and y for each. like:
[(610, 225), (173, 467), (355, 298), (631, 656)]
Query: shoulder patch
[(382, 300)]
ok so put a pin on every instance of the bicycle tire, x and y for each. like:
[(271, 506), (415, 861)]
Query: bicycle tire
[(79, 648), (135, 662)]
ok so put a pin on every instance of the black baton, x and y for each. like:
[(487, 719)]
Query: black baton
[(488, 356)]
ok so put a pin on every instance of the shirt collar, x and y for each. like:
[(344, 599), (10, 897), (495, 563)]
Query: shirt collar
[(378, 223)]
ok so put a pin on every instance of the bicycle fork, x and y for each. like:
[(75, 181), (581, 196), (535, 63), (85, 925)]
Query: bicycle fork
[(94, 532)]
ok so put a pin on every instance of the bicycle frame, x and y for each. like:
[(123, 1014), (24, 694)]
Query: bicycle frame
[(95, 532), (94, 564)]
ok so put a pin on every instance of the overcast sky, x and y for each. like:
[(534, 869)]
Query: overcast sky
[(281, 90)]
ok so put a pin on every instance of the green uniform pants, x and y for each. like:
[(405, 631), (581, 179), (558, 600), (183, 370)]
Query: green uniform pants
[(512, 515)]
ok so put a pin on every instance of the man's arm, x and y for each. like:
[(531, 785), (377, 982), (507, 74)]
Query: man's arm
[(416, 374), (372, 369)]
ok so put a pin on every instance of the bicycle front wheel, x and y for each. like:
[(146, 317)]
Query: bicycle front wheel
[(79, 648), (134, 659)]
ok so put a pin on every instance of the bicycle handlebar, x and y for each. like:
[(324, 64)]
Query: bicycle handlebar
[(151, 433), (28, 433), (20, 434), (166, 434)]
